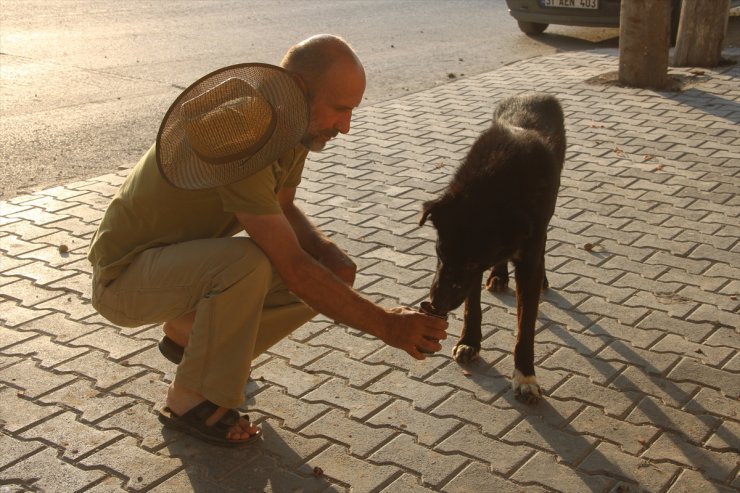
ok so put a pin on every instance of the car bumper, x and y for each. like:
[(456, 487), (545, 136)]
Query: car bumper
[(607, 15)]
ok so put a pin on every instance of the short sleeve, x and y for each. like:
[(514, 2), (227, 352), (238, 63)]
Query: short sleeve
[(252, 195)]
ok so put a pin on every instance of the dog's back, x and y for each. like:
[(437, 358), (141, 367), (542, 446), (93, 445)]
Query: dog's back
[(538, 112), (516, 162)]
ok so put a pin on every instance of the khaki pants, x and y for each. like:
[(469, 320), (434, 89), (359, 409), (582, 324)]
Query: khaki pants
[(242, 308)]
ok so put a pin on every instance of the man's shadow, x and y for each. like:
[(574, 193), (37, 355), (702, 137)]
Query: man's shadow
[(268, 464)]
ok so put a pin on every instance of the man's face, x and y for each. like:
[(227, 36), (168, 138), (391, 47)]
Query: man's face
[(332, 102)]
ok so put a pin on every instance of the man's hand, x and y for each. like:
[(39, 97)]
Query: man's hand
[(412, 330), (333, 258)]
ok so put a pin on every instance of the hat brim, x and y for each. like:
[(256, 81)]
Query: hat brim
[(183, 168)]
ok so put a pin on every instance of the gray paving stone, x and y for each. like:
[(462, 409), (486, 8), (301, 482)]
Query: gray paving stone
[(149, 386), (14, 449), (46, 472), (360, 404), (18, 413), (296, 382), (693, 427), (543, 469), (84, 398), (126, 458), (643, 475), (48, 352), (716, 465), (359, 437), (76, 439), (30, 380), (361, 476), (60, 327), (435, 468), (110, 341), (725, 438), (615, 403), (427, 429), (294, 413), (94, 365), (14, 315), (478, 477), (671, 392), (265, 474), (692, 370), (10, 337), (359, 374), (630, 438), (596, 369), (422, 395), (293, 451), (571, 444), (406, 484), (691, 481)]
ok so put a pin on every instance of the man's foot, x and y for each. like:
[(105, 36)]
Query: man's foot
[(191, 412)]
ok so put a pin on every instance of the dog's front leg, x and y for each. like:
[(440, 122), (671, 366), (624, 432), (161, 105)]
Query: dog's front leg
[(468, 347), (529, 272)]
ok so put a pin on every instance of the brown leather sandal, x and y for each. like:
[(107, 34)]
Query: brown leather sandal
[(193, 423)]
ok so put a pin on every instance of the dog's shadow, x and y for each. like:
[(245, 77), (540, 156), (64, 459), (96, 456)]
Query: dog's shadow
[(555, 418)]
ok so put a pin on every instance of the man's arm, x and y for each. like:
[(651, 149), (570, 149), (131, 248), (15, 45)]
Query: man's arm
[(325, 292), (314, 241)]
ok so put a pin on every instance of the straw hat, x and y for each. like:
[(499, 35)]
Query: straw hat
[(229, 124)]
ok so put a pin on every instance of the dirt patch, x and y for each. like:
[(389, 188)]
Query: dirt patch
[(676, 82)]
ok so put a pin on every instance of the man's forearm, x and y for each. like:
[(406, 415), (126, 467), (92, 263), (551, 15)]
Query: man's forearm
[(325, 293), (309, 236)]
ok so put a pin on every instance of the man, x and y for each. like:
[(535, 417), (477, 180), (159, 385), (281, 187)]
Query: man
[(228, 158)]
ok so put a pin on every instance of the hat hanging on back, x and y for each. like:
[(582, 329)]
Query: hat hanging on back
[(230, 124)]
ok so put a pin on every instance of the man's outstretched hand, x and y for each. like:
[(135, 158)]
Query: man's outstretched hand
[(413, 331)]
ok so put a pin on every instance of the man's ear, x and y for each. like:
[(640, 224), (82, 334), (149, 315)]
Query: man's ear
[(301, 83)]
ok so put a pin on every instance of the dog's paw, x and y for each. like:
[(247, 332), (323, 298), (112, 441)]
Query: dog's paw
[(496, 284), (462, 353), (526, 388)]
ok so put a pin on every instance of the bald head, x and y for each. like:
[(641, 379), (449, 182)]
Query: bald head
[(313, 58)]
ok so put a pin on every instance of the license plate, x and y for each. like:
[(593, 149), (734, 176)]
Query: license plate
[(571, 4)]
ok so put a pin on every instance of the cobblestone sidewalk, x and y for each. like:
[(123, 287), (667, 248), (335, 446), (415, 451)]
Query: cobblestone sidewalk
[(637, 344)]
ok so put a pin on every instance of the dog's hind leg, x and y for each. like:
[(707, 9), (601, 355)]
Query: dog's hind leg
[(529, 272), (498, 281), (468, 347)]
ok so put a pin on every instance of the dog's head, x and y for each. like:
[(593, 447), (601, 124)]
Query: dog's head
[(470, 239)]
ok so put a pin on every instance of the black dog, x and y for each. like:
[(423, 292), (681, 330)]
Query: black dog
[(497, 208)]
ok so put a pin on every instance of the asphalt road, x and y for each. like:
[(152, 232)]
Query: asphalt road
[(84, 83)]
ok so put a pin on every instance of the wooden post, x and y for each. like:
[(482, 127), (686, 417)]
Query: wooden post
[(701, 32), (644, 40)]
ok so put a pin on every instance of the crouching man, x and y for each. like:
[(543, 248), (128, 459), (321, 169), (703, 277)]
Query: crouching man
[(228, 159)]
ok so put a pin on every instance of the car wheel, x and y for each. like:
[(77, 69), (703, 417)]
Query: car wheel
[(532, 27)]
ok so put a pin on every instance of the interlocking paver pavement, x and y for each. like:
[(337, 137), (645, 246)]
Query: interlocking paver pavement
[(638, 348)]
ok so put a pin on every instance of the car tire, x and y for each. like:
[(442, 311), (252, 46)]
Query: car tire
[(532, 27)]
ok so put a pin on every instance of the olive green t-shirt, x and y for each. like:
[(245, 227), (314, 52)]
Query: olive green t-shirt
[(149, 212)]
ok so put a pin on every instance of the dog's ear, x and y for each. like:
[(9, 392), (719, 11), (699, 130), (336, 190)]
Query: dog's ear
[(427, 209)]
